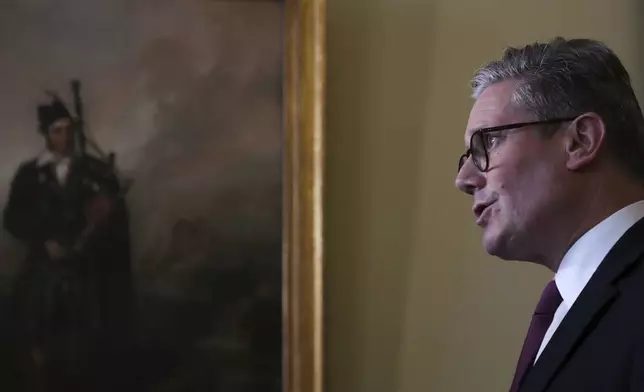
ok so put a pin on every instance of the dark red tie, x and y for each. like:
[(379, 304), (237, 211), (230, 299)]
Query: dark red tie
[(541, 320)]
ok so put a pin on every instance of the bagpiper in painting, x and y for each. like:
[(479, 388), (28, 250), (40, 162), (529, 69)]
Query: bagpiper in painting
[(72, 294)]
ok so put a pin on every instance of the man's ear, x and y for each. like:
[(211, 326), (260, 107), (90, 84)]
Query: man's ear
[(583, 140)]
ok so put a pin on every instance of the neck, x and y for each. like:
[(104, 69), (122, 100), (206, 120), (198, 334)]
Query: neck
[(600, 200), (60, 154)]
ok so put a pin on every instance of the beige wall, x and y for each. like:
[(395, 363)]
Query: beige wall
[(413, 303)]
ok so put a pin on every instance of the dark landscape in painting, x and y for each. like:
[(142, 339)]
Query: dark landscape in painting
[(187, 95)]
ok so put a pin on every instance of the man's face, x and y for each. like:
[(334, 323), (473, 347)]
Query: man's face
[(60, 136), (516, 201)]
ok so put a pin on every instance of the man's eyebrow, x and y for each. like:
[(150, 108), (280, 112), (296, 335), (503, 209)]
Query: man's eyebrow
[(470, 131), (486, 127)]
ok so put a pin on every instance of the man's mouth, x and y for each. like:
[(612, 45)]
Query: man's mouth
[(481, 211)]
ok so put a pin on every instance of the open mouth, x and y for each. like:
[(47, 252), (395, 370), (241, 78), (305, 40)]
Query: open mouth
[(480, 212)]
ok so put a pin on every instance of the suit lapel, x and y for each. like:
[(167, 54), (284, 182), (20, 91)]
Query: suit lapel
[(569, 334), (589, 307), (47, 176)]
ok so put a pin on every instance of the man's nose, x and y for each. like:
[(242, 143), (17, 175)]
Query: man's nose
[(469, 178)]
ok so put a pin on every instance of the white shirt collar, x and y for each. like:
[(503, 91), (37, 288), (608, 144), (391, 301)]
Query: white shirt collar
[(47, 157), (582, 259)]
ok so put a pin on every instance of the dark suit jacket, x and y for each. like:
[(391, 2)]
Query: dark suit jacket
[(599, 346)]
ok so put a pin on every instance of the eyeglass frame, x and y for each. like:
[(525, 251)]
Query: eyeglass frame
[(463, 159)]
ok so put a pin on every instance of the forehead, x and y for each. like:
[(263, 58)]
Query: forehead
[(493, 107), (61, 122)]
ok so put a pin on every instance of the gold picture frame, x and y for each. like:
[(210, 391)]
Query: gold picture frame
[(305, 87)]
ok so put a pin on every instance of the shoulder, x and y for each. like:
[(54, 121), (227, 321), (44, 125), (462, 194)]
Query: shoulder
[(630, 290), (26, 175), (27, 167)]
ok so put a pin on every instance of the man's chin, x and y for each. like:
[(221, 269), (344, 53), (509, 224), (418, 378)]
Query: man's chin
[(495, 246)]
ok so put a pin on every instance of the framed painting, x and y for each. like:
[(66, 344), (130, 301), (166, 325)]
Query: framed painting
[(161, 193)]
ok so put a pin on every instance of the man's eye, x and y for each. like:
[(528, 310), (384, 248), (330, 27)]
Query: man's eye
[(492, 141)]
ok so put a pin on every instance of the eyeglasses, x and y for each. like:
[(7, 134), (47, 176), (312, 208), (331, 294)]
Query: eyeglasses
[(480, 142)]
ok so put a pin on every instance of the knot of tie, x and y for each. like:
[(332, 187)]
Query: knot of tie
[(550, 300)]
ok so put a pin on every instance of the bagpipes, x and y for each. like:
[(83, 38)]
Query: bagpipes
[(98, 209)]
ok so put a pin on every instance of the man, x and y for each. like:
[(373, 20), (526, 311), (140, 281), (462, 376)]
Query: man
[(71, 295), (555, 165)]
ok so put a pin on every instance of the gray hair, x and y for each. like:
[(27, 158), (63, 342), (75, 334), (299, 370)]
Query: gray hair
[(566, 78)]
